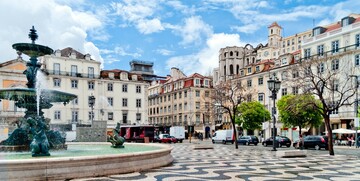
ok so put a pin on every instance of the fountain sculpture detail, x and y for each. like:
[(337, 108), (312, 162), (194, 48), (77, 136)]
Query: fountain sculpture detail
[(34, 124)]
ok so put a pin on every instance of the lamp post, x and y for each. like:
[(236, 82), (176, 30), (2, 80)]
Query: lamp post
[(356, 120), (91, 104), (274, 86)]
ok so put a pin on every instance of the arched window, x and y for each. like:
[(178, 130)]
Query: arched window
[(225, 54), (224, 70), (237, 69), (237, 53), (271, 42), (253, 60), (271, 31), (247, 61), (231, 54), (231, 69)]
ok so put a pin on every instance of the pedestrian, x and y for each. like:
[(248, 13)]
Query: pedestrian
[(349, 138)]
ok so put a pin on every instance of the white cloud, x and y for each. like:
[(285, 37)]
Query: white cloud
[(207, 58), (59, 26), (193, 30), (149, 26), (164, 52), (122, 51), (140, 14)]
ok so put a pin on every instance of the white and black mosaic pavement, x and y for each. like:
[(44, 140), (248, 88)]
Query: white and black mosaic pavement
[(247, 163)]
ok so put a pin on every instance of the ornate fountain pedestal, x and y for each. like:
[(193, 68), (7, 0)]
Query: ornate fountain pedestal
[(33, 100)]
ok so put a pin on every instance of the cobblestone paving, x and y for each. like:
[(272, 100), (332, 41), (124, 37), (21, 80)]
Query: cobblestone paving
[(247, 163)]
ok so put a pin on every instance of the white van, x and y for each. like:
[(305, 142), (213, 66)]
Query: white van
[(178, 132), (223, 136)]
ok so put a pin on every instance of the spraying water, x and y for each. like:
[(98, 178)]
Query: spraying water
[(40, 86)]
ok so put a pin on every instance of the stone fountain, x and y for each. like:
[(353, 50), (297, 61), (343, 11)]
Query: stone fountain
[(34, 130)]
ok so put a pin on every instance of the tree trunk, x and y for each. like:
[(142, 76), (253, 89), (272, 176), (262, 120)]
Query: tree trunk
[(329, 134), (234, 133)]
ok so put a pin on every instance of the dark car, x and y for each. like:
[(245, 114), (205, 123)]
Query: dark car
[(282, 140), (313, 141), (247, 140), (156, 139)]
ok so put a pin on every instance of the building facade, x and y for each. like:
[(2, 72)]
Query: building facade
[(182, 100)]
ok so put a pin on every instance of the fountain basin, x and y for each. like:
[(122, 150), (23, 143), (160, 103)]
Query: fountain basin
[(71, 167)]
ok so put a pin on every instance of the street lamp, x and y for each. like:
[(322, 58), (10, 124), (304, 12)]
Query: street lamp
[(274, 86), (356, 120), (91, 104)]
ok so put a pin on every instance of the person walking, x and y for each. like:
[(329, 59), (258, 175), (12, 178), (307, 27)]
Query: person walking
[(349, 138)]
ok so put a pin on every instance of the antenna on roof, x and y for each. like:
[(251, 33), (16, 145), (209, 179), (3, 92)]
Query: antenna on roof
[(313, 22)]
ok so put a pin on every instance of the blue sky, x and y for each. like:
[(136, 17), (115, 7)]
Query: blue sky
[(185, 34)]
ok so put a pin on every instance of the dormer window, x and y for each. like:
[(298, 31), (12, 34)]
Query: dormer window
[(318, 30), (257, 68), (284, 61), (249, 70), (206, 82), (197, 81), (242, 72), (346, 21)]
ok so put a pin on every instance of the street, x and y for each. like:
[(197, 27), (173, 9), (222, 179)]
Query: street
[(224, 162)]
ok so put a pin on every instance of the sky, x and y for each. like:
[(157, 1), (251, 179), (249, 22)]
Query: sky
[(185, 34)]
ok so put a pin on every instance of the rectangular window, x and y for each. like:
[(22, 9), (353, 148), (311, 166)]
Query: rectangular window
[(242, 72), (261, 97), (175, 95), (335, 46), (206, 82), (124, 102), (307, 53), (124, 87), (138, 103), (197, 93), (320, 50), (357, 40), (295, 90), (57, 82), (91, 115), (207, 93), (197, 105), (179, 95), (110, 87), (91, 72), (257, 68), (197, 81), (249, 70), (138, 116), (91, 85), (197, 118), (74, 84), (57, 115), (180, 107), (321, 68), (73, 70), (138, 89), (335, 64), (357, 60), (110, 116), (74, 116), (249, 82), (261, 80), (169, 97), (284, 61), (110, 101), (124, 117), (185, 93), (284, 91), (185, 106), (56, 68)]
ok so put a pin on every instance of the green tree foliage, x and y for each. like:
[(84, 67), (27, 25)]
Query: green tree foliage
[(299, 110), (253, 114)]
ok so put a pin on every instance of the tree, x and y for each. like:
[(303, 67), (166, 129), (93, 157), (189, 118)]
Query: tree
[(253, 114), (329, 79), (299, 110), (228, 96)]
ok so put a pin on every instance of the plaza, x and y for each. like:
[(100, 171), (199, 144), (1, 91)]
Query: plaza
[(224, 162)]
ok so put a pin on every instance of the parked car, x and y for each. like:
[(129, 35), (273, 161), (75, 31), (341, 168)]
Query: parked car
[(247, 140), (282, 140), (168, 139), (313, 141)]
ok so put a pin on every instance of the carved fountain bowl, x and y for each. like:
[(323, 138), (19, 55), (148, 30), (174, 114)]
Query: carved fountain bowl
[(32, 50)]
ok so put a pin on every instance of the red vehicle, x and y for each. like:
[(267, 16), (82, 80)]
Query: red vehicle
[(168, 139), (134, 133)]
